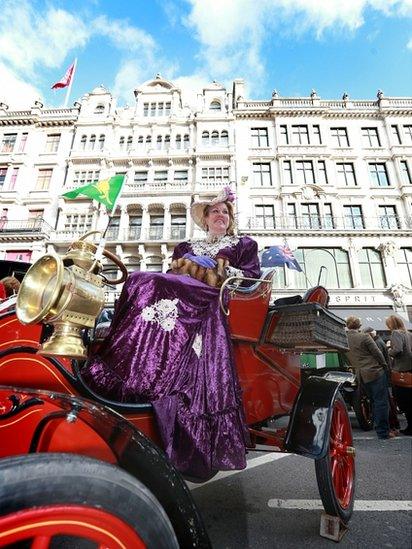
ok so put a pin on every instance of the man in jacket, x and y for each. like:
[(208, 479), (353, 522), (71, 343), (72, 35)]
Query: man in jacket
[(369, 363)]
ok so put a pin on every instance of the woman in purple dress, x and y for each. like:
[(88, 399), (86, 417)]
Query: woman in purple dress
[(169, 344)]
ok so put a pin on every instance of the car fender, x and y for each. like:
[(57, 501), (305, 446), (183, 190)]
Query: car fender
[(308, 429), (133, 451)]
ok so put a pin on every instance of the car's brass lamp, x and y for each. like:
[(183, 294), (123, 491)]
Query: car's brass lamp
[(68, 293)]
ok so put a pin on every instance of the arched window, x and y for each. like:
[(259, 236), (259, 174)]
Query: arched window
[(99, 109), (178, 141), (215, 138), (83, 142), (129, 141), (167, 141), (148, 139), (121, 143), (371, 268), (102, 139), (140, 141), (186, 140), (205, 139), (335, 260), (92, 142), (224, 138), (215, 106), (159, 142)]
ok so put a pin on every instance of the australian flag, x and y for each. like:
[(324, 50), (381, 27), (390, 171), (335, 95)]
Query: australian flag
[(277, 256)]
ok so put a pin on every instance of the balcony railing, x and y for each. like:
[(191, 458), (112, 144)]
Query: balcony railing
[(156, 234), (27, 226), (316, 223)]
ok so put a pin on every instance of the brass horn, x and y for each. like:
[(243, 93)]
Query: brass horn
[(68, 293)]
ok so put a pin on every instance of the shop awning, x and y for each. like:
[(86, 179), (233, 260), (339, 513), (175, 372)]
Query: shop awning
[(373, 316)]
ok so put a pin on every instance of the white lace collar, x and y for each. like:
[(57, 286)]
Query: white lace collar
[(211, 246)]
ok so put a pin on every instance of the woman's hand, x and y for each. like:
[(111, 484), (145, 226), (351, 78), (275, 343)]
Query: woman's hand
[(201, 260)]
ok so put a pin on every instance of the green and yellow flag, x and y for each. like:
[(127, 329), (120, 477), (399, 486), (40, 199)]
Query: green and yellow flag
[(105, 191)]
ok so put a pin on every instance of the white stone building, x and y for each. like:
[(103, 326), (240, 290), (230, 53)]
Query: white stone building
[(331, 178)]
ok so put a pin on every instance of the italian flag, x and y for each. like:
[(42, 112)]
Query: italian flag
[(105, 191)]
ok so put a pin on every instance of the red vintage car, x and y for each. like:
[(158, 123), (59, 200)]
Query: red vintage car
[(75, 464)]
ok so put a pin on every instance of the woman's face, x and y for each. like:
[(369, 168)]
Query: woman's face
[(218, 219)]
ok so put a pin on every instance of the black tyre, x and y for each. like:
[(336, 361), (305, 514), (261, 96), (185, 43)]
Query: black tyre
[(84, 500), (362, 407), (335, 472)]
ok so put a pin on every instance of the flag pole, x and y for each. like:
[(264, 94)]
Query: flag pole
[(69, 89)]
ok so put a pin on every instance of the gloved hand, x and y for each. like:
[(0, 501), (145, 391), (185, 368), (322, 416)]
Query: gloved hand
[(202, 260)]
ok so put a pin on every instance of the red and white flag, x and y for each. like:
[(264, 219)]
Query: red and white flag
[(65, 81)]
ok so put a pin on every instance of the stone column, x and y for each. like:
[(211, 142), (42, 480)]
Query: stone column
[(167, 222), (124, 223), (145, 222), (353, 248)]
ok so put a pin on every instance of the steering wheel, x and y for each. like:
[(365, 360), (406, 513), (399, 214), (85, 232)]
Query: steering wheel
[(110, 257)]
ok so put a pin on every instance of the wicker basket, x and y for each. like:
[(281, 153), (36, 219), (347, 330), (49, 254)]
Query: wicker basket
[(307, 327)]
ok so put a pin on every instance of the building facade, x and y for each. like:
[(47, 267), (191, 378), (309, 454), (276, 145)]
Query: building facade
[(332, 179)]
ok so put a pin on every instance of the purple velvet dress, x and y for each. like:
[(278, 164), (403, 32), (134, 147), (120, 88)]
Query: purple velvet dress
[(169, 344)]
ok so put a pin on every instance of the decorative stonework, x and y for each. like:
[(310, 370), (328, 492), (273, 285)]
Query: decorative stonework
[(388, 249), (398, 292)]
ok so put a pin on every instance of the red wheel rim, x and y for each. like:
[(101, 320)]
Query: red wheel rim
[(341, 456), (41, 524)]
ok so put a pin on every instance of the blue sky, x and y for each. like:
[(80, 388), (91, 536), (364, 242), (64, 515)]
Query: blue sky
[(357, 46)]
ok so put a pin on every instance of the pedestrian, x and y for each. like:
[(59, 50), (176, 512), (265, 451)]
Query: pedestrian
[(11, 285), (369, 364), (393, 413), (400, 351)]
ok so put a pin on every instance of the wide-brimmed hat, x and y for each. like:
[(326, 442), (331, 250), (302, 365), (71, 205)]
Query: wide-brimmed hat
[(197, 209)]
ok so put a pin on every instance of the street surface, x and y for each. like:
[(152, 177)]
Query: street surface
[(275, 501)]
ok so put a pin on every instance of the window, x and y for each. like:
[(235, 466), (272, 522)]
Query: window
[(388, 218), (408, 132), (146, 109), (23, 141), (178, 228), (13, 178), (335, 260), (148, 140), (224, 138), (92, 142), (99, 109), (135, 226), (167, 109), (121, 143), (371, 269), (140, 141), (85, 177), (284, 136), (159, 142), (287, 172), (345, 174), (292, 222), (102, 139), (112, 232), (216, 175), (322, 175), (186, 140), (43, 180), (328, 222), (129, 142), (3, 173), (339, 137), (215, 138), (35, 218), (156, 226), (304, 172), (300, 134), (152, 109), (181, 176), (396, 134), (260, 137), (140, 178), (310, 216), (317, 139), (160, 108), (160, 177), (133, 263), (167, 141), (406, 174), (8, 142), (179, 140), (78, 222), (215, 106), (154, 264), (265, 216), (205, 139), (52, 142), (83, 141), (370, 137), (379, 174), (404, 263), (353, 217), (262, 174)]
